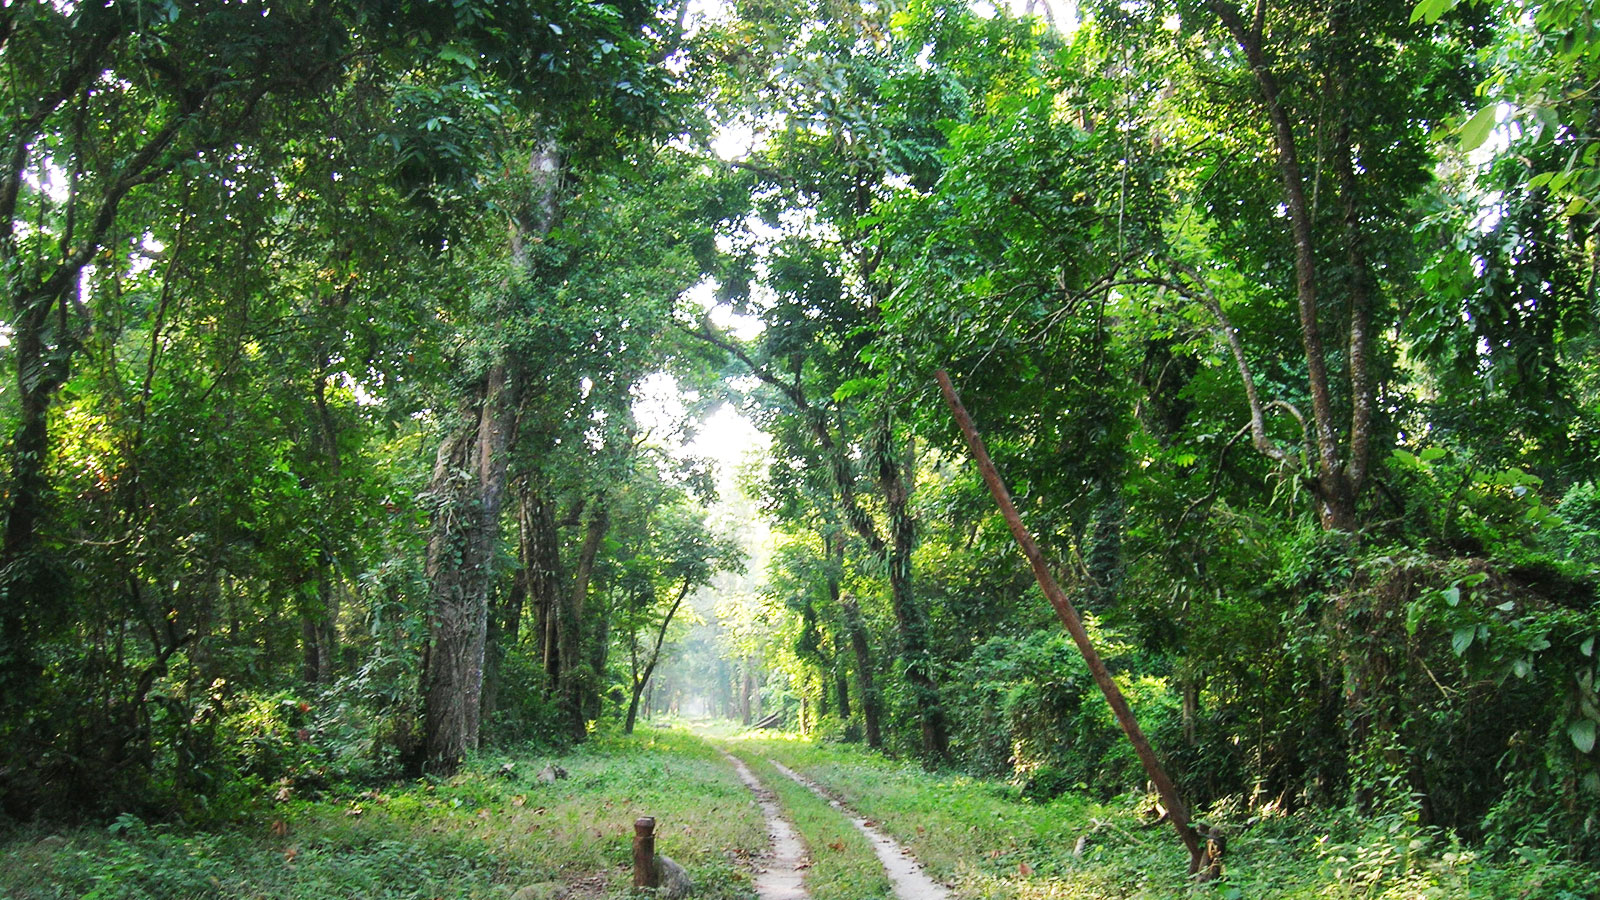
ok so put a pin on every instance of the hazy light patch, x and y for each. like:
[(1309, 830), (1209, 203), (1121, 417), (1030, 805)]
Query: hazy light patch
[(358, 391), (736, 141), (51, 181), (1506, 129), (723, 316), (731, 441), (152, 249), (659, 410), (724, 436)]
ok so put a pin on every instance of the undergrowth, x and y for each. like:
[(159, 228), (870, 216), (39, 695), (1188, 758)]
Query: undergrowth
[(986, 841), (499, 826), (482, 834)]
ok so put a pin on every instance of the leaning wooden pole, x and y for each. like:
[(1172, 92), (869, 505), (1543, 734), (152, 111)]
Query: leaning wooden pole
[(1176, 811)]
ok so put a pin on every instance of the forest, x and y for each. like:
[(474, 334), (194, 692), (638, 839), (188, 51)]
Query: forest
[(391, 384)]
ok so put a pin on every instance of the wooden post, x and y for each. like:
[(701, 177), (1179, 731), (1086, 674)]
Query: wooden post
[(644, 853), (1176, 811)]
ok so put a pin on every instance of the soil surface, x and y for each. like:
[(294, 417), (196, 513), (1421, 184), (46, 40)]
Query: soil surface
[(906, 875), (781, 879)]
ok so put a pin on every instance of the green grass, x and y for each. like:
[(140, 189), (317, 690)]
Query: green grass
[(843, 864), (982, 837), (479, 835)]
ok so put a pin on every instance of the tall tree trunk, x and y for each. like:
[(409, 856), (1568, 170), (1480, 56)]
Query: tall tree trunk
[(575, 682), (1335, 488), (867, 688), (468, 483), (30, 583), (909, 615), (319, 633)]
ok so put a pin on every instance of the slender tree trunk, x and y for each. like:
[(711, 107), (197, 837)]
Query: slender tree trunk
[(871, 715), (574, 682), (541, 566), (505, 628), (908, 612), (746, 689), (642, 677), (319, 634), (1201, 856), (1335, 490), (599, 652)]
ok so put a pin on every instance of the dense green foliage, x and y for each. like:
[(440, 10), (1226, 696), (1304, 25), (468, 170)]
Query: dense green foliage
[(329, 328)]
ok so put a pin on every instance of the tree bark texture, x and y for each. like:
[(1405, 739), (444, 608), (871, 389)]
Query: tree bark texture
[(576, 682), (871, 706), (468, 484), (1338, 476)]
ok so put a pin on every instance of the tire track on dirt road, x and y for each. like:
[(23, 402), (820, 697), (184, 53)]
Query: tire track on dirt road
[(909, 880), (781, 878)]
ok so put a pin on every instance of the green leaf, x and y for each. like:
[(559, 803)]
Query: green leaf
[(1582, 734), (1429, 11), (1430, 454), (1522, 667), (1587, 647), (1477, 129), (854, 387), (1461, 640), (460, 56), (1452, 595)]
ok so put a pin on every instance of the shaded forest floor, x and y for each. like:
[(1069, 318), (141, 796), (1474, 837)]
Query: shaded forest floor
[(499, 827)]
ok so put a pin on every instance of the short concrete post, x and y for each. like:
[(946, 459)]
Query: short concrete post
[(644, 853)]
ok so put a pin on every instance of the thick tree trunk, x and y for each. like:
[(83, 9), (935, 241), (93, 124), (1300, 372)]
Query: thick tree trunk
[(468, 483)]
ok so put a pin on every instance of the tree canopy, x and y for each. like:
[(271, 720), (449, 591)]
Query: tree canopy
[(333, 331)]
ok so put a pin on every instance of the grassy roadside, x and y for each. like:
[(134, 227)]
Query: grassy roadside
[(482, 834), (843, 865), (980, 837)]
